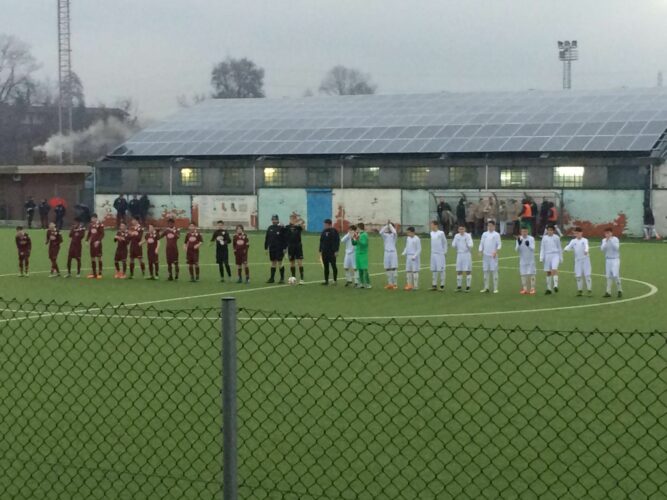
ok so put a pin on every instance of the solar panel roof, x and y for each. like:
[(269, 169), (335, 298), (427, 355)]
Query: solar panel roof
[(530, 122)]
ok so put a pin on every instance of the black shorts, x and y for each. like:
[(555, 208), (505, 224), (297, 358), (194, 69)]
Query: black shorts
[(222, 254), (276, 254), (295, 252)]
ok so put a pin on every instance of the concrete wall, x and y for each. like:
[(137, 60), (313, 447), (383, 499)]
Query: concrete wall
[(416, 209), (162, 208), (660, 211), (233, 210), (281, 201), (595, 210), (373, 207)]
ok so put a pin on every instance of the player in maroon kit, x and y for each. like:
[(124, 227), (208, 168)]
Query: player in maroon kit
[(94, 237), (152, 241), (53, 239), (120, 257), (171, 235), (193, 240), (76, 236), (136, 234), (241, 245), (24, 246)]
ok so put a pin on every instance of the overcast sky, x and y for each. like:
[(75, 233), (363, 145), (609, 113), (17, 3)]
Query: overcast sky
[(155, 50)]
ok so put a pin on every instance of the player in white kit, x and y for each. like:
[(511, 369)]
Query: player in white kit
[(438, 256), (525, 246), (462, 242), (389, 237), (551, 254), (349, 261), (611, 247), (412, 252), (582, 261), (489, 246)]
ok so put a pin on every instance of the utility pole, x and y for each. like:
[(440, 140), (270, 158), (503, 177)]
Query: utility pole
[(65, 103), (568, 51)]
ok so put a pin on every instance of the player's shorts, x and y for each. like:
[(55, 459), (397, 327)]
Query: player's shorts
[(136, 253), (241, 258), (276, 254), (582, 267), (612, 268), (221, 254), (172, 256), (390, 260), (437, 262), (350, 262), (74, 253), (527, 268), (295, 252), (551, 262), (463, 263), (152, 257), (96, 251), (53, 252), (412, 265), (120, 255), (192, 257), (489, 264)]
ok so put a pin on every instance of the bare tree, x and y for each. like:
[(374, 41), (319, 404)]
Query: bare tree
[(340, 80), (184, 101), (237, 78), (16, 68)]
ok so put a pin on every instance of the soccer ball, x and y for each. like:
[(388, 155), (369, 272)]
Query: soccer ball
[(292, 280)]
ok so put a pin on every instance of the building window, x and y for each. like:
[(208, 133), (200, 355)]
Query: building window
[(275, 176), (415, 176), (366, 175), (190, 177), (110, 176), (513, 177), (463, 177), (150, 177), (568, 177), (232, 177), (320, 177)]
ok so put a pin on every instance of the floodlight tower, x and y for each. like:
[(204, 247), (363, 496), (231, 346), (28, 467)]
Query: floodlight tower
[(64, 68), (568, 51)]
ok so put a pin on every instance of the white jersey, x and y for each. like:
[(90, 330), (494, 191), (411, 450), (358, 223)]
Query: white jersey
[(463, 245), (526, 249), (582, 260), (438, 243), (349, 262), (612, 253), (413, 250), (389, 238), (490, 243)]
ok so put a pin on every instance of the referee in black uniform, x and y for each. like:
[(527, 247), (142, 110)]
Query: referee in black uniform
[(329, 245), (294, 246), (274, 244)]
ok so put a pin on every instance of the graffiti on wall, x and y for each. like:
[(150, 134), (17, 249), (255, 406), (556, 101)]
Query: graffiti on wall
[(233, 210), (595, 210), (373, 207), (162, 207)]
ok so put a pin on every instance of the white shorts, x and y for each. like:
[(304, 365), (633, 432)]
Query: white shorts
[(463, 263), (489, 264), (527, 268), (612, 268), (390, 260), (412, 266), (582, 267), (551, 262), (350, 262), (437, 262)]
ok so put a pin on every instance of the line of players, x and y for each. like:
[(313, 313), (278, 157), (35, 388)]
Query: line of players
[(551, 255), (129, 243)]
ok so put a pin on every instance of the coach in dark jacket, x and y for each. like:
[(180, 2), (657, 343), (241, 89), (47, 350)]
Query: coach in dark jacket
[(329, 246)]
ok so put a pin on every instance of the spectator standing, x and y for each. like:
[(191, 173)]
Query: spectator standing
[(461, 213), (533, 222), (59, 211), (649, 224), (44, 209), (144, 207), (134, 207), (120, 204), (470, 217), (30, 210), (479, 217)]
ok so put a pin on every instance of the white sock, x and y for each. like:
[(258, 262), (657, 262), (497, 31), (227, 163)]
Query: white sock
[(579, 283), (415, 279), (524, 282), (618, 285), (388, 273), (589, 283), (487, 278), (495, 280), (408, 276), (468, 280), (459, 280), (443, 276), (532, 282), (556, 280), (549, 280), (609, 281), (434, 280), (394, 277)]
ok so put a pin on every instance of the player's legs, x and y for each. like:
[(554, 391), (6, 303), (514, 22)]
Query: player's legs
[(142, 266), (221, 270), (132, 266), (99, 266), (292, 266), (247, 272)]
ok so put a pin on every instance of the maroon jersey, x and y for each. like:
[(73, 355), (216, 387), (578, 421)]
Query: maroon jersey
[(191, 239), (241, 245), (135, 235), (95, 236), (171, 235), (152, 238), (76, 235), (54, 239), (23, 245), (121, 246)]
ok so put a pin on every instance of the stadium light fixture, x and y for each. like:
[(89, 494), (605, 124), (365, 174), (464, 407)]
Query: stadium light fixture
[(568, 51)]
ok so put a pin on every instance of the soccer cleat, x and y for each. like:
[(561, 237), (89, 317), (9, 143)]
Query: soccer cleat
[(247, 281), (590, 293), (222, 280), (347, 283), (547, 292), (532, 291), (192, 280), (407, 288), (523, 292), (170, 278), (458, 289), (78, 275), (442, 288), (580, 293), (68, 275), (270, 280), (619, 294), (358, 285), (606, 295), (434, 288), (388, 286), (240, 280), (52, 275), (467, 289), (495, 291), (484, 290), (556, 289), (91, 276), (368, 286)]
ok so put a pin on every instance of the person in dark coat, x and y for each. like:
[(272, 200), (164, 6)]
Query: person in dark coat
[(30, 210), (144, 207), (44, 209), (59, 211), (461, 212), (134, 207), (120, 204)]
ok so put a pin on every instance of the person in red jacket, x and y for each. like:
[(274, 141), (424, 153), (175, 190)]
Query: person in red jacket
[(54, 239), (24, 246), (94, 237)]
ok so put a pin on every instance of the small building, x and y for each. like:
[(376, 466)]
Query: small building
[(379, 157)]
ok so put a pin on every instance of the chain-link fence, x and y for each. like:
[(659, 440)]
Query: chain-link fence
[(336, 409), (109, 402)]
